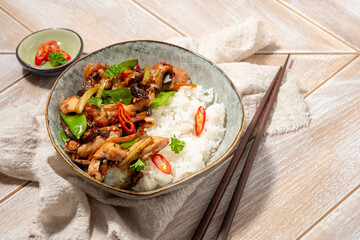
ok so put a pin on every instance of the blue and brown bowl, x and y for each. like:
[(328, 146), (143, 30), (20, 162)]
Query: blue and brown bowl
[(202, 72), (68, 40)]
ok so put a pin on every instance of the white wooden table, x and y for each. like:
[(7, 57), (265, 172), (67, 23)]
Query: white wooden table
[(304, 184)]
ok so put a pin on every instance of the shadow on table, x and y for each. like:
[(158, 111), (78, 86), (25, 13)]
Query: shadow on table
[(251, 205), (39, 81)]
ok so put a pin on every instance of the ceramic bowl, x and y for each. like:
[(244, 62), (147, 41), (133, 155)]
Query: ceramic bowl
[(68, 40), (201, 71)]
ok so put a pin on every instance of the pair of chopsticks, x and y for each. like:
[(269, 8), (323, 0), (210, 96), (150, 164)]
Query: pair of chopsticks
[(268, 101)]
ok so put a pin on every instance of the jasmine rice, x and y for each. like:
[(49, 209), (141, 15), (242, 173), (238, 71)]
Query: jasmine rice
[(176, 117)]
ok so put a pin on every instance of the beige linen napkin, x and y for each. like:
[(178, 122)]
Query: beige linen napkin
[(70, 208)]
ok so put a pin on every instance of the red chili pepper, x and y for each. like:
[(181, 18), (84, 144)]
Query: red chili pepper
[(65, 54), (124, 119), (200, 119), (123, 75), (53, 43), (41, 54), (161, 163), (137, 68)]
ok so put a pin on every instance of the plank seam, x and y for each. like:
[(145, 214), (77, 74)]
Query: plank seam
[(159, 18), (328, 212), (318, 26), (14, 83), (333, 75), (17, 20), (14, 192)]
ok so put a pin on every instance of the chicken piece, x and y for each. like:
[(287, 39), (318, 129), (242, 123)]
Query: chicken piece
[(106, 115), (158, 144), (158, 72), (69, 104), (140, 106), (87, 148), (179, 77), (110, 151), (143, 149), (94, 169)]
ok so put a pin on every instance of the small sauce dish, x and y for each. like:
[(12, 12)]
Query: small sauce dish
[(68, 40)]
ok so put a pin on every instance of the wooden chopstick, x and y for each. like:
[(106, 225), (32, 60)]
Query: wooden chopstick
[(269, 97)]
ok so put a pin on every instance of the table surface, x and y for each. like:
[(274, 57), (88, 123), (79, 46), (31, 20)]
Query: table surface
[(304, 185)]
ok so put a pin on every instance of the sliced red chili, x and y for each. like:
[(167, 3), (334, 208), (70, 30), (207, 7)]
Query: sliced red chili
[(200, 119), (65, 54), (54, 43), (42, 53), (161, 163), (125, 120), (137, 68)]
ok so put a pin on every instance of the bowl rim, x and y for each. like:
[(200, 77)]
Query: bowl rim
[(157, 191), (53, 69)]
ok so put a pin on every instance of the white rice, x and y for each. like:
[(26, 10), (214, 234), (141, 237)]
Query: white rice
[(176, 117)]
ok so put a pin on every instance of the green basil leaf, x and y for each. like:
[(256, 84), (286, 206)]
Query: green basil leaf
[(76, 123), (161, 98), (113, 96)]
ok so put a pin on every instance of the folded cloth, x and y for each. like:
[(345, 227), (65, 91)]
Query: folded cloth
[(69, 208)]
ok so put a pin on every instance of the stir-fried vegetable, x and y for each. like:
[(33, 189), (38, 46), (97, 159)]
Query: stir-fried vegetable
[(134, 151), (101, 88), (200, 119), (129, 64), (146, 75), (76, 123), (161, 98), (63, 136), (161, 163), (176, 145), (84, 98), (126, 145), (113, 96)]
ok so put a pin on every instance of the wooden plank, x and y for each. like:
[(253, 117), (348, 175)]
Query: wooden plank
[(11, 32), (343, 223), (296, 178), (337, 17), (10, 70), (8, 185), (19, 213), (100, 23), (267, 169), (292, 33), (310, 70)]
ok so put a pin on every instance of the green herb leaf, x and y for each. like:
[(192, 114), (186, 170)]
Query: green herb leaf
[(138, 165), (113, 96), (129, 64), (63, 136), (161, 98), (77, 123), (95, 100), (127, 144), (176, 145), (114, 70), (56, 59)]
